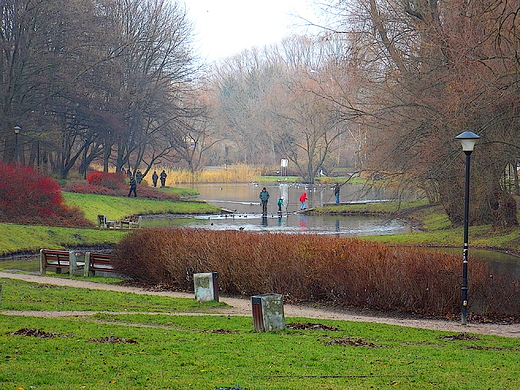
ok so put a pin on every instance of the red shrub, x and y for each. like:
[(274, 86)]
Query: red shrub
[(113, 181), (28, 197), (312, 268), (144, 191), (85, 188), (114, 184)]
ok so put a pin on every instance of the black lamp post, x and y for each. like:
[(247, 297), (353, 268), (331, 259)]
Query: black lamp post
[(467, 140), (16, 132)]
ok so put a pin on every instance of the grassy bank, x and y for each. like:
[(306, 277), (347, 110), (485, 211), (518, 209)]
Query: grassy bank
[(433, 226), (138, 350), (118, 207), (25, 238), (29, 238)]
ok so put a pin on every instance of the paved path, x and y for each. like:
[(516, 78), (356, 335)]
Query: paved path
[(242, 307)]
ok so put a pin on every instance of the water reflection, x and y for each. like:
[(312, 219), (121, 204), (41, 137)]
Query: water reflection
[(244, 198), (244, 203), (347, 226), (500, 263)]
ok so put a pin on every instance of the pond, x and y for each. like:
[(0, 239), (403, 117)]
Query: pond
[(242, 200), (500, 263)]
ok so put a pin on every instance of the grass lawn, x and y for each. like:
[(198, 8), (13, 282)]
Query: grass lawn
[(165, 351), (118, 207), (30, 238)]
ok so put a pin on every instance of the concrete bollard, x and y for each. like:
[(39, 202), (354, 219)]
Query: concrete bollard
[(268, 312), (75, 268), (206, 286)]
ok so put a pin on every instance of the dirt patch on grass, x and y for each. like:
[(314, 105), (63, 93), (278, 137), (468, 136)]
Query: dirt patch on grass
[(113, 340), (460, 336), (31, 332), (350, 342), (309, 326)]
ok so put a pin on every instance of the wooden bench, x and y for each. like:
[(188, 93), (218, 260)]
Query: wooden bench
[(134, 221), (59, 260), (97, 262), (104, 223)]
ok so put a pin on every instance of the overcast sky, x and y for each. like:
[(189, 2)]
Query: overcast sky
[(226, 27)]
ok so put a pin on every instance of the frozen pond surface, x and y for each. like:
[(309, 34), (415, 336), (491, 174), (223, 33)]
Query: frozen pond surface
[(293, 223)]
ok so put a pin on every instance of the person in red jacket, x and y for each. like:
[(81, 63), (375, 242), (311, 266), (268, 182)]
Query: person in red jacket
[(303, 200)]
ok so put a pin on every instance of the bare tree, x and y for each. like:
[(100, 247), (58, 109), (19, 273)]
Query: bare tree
[(283, 102), (435, 69), (152, 70)]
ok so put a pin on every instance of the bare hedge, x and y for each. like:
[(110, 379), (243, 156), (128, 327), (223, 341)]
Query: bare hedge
[(345, 272)]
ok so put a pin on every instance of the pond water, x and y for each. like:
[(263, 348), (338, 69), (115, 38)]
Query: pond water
[(244, 197), (500, 263), (243, 202)]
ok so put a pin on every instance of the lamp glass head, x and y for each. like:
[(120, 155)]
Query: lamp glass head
[(468, 140)]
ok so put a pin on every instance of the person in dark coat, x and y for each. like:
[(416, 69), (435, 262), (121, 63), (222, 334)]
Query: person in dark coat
[(264, 197), (155, 177), (336, 192), (139, 177), (133, 187), (163, 178)]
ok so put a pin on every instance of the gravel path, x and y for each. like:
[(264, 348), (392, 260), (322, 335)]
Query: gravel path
[(242, 307)]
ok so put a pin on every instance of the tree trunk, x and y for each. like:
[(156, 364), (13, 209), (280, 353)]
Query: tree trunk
[(489, 202)]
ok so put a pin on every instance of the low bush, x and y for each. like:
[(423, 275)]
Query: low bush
[(27, 197), (312, 268), (111, 180), (86, 188), (143, 191)]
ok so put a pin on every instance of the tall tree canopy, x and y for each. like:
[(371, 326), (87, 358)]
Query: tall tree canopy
[(285, 101), (434, 69), (95, 79)]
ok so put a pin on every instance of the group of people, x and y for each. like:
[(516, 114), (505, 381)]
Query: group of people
[(138, 178), (264, 197), (155, 177)]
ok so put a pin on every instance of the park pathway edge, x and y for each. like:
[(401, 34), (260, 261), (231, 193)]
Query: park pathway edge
[(242, 307)]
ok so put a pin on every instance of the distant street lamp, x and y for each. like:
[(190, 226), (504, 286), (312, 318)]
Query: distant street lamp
[(467, 140), (16, 132)]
